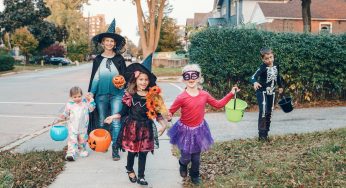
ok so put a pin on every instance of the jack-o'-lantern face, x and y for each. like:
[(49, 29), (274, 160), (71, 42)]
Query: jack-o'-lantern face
[(92, 144), (99, 140), (118, 81)]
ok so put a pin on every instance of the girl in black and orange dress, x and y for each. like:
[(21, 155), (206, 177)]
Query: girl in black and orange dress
[(142, 104)]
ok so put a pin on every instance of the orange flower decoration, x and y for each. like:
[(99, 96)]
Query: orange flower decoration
[(155, 103), (151, 114)]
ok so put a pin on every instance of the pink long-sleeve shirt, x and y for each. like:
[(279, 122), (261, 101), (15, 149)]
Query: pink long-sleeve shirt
[(193, 107)]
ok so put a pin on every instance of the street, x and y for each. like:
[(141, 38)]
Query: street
[(30, 101)]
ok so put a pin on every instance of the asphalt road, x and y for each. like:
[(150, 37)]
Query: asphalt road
[(30, 101)]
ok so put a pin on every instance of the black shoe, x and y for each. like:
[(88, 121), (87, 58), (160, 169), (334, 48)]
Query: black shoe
[(132, 179), (263, 139), (182, 170), (142, 181), (196, 180)]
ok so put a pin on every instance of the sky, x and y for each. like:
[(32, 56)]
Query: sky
[(126, 16), (125, 13)]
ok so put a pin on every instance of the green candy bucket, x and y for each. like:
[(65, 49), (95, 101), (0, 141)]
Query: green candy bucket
[(235, 110)]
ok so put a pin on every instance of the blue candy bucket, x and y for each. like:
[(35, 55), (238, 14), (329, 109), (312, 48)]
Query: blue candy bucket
[(58, 132)]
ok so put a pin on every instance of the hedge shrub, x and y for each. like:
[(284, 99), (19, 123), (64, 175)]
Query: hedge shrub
[(313, 66), (6, 61)]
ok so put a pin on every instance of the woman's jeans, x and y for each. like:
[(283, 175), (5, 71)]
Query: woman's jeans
[(109, 105)]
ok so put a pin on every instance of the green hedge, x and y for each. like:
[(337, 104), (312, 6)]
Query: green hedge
[(313, 66), (6, 61)]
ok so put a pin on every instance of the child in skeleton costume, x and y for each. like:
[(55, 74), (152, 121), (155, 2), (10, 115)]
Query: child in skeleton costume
[(77, 114), (264, 82)]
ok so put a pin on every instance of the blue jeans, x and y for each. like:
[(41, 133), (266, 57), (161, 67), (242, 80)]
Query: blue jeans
[(109, 105)]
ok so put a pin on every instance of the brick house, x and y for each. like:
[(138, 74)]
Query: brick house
[(326, 16)]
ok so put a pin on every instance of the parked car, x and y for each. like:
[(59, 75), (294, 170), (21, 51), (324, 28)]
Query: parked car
[(58, 61)]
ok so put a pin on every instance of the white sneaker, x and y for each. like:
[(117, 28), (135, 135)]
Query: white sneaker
[(84, 153)]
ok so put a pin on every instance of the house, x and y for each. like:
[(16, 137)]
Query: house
[(280, 15), (326, 16), (234, 12)]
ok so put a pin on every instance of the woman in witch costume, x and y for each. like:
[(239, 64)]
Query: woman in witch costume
[(142, 104), (108, 64)]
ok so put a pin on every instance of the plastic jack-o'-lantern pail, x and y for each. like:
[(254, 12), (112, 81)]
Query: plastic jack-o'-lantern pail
[(99, 140), (235, 112), (58, 132)]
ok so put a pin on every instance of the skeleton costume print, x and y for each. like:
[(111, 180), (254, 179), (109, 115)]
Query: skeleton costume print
[(268, 77)]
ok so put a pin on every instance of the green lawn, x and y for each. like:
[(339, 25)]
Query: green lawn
[(167, 71), (305, 160)]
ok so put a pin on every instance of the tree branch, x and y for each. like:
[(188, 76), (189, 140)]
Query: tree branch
[(159, 23)]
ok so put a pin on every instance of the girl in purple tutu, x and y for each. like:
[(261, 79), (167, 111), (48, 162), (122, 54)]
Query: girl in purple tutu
[(191, 133)]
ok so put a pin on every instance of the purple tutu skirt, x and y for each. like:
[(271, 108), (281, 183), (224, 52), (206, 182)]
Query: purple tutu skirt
[(191, 139)]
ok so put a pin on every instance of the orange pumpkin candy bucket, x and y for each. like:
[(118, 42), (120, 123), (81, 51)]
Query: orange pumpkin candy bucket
[(99, 140), (118, 81)]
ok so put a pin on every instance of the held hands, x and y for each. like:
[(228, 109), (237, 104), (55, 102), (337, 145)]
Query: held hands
[(281, 90), (109, 119), (169, 116), (256, 85), (89, 97)]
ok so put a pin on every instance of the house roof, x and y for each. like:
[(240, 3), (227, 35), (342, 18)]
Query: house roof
[(200, 19), (320, 9)]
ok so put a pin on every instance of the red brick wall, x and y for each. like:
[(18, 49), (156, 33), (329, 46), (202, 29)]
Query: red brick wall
[(297, 26)]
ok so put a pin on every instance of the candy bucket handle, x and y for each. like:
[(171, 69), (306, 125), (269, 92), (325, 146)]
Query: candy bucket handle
[(235, 98)]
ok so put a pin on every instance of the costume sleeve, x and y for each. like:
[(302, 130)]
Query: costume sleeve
[(95, 82), (91, 105), (254, 77), (176, 105), (122, 66), (124, 110), (66, 113), (279, 78), (219, 103)]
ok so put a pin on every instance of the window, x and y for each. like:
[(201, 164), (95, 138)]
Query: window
[(326, 27)]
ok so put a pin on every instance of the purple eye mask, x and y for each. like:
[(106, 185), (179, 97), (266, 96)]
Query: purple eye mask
[(191, 75)]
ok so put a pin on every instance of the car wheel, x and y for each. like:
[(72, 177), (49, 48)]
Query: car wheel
[(60, 64)]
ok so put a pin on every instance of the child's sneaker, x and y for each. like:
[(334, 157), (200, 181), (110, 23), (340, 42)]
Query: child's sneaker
[(70, 158), (84, 153)]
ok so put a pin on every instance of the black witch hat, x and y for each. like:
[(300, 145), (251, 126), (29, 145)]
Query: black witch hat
[(119, 40), (130, 73)]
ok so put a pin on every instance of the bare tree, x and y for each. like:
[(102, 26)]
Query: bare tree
[(306, 13)]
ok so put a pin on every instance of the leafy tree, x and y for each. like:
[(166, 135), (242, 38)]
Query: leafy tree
[(169, 38), (62, 12), (45, 32), (20, 13), (77, 51), (55, 50), (306, 14), (25, 41)]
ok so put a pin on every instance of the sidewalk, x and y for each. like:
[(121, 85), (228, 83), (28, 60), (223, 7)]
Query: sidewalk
[(162, 170)]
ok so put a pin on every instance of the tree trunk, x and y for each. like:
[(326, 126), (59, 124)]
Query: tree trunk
[(306, 14), (149, 32), (9, 40)]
